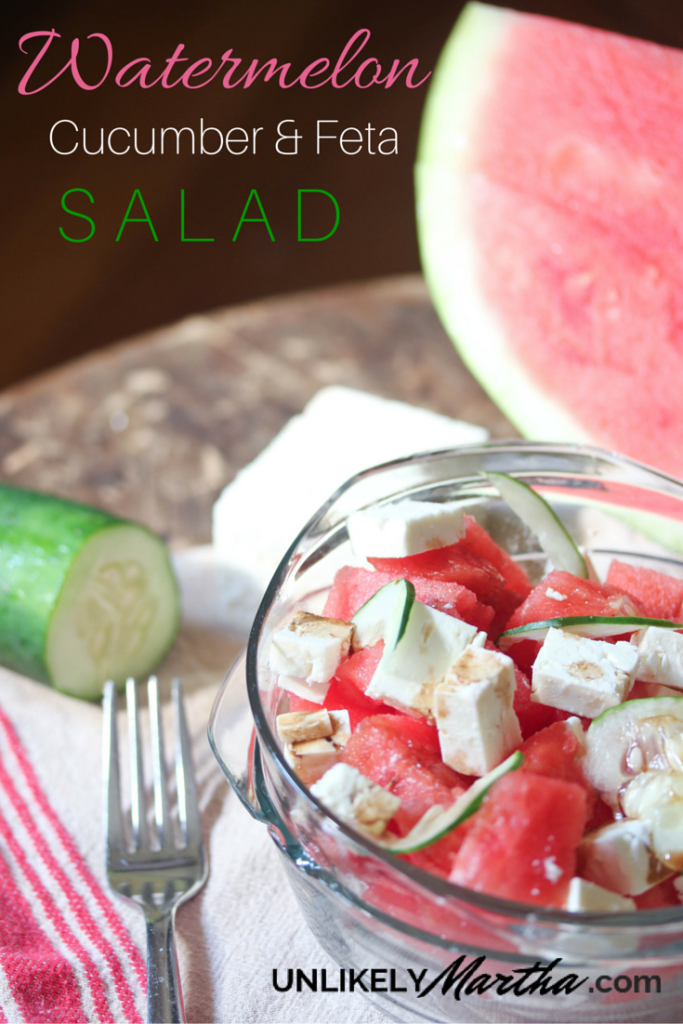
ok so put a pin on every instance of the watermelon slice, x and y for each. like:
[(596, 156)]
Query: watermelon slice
[(550, 214)]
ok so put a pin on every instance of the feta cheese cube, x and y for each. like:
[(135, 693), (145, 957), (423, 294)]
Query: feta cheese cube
[(356, 799), (473, 709), (311, 758), (581, 675), (619, 857), (310, 647), (315, 692), (590, 898), (405, 677), (660, 656), (299, 726), (405, 528)]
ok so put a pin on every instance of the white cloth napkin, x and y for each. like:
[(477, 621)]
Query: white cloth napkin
[(68, 950)]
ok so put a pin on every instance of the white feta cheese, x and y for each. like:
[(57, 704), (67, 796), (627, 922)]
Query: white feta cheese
[(310, 647), (660, 656), (552, 870), (356, 799), (473, 709), (311, 758), (315, 692), (576, 727), (299, 726), (581, 675), (656, 797), (619, 857), (405, 677), (405, 528), (590, 898), (555, 595)]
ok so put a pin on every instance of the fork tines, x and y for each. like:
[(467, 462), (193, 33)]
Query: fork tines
[(188, 815)]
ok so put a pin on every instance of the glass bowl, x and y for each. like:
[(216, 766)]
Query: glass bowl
[(430, 950)]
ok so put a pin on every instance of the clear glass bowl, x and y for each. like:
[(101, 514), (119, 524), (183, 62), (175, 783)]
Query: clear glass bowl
[(369, 909)]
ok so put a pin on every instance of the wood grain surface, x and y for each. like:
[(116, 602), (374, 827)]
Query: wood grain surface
[(155, 427)]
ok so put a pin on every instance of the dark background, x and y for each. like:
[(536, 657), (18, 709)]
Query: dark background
[(60, 299)]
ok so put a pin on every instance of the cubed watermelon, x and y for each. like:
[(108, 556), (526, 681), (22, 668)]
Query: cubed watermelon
[(561, 594), (557, 752), (403, 754), (352, 587), (522, 842), (659, 596), (453, 564), (478, 541)]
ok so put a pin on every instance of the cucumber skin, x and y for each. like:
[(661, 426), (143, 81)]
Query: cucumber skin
[(40, 535)]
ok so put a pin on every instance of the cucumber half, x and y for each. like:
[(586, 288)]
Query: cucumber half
[(437, 822), (620, 739), (84, 596), (535, 511), (583, 625)]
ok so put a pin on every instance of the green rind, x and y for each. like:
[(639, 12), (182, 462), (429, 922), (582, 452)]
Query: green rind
[(571, 623), (460, 811), (540, 517), (41, 538), (461, 83)]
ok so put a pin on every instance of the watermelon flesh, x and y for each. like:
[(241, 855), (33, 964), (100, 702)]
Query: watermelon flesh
[(550, 212), (522, 842), (659, 596)]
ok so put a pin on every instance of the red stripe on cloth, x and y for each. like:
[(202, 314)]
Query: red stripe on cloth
[(41, 980), (77, 906), (51, 911), (112, 918)]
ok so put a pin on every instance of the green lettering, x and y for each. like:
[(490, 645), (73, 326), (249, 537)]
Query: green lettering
[(253, 220), (182, 222), (133, 220), (74, 213), (322, 238)]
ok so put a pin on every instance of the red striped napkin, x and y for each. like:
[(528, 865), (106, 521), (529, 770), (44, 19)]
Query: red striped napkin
[(65, 953), (72, 951)]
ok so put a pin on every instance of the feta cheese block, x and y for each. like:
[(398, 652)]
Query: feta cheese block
[(316, 740), (619, 857), (583, 676), (407, 675), (405, 528), (310, 647), (593, 899), (356, 799), (315, 692), (660, 656), (473, 710)]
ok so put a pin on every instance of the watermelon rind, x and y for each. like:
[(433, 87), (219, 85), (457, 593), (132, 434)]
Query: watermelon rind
[(437, 822), (460, 84), (583, 625)]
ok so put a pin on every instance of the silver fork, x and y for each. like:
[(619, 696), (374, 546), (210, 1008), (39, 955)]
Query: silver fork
[(156, 877)]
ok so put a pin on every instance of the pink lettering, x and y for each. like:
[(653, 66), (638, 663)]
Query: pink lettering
[(347, 56), (359, 73), (310, 72), (396, 71), (71, 63)]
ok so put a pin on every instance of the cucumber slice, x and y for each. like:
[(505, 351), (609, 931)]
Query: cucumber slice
[(384, 616), (437, 822), (84, 596), (612, 746), (583, 625), (537, 514)]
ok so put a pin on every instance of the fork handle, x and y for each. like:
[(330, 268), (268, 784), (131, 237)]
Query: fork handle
[(164, 996)]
